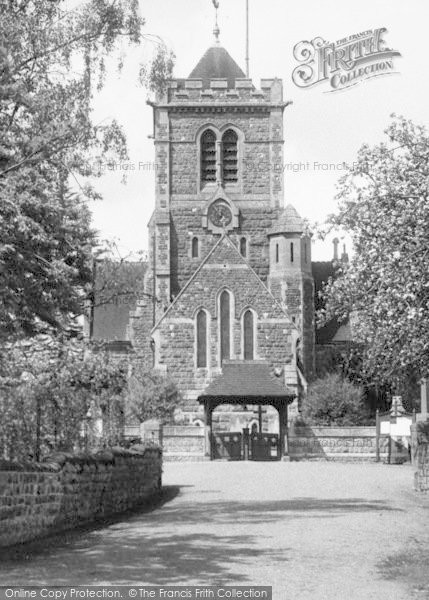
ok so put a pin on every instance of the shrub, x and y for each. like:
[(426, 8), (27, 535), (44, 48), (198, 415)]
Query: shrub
[(332, 400), (53, 396)]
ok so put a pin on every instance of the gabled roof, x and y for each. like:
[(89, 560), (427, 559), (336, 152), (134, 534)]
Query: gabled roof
[(217, 64), (288, 221), (250, 379), (224, 246), (116, 288)]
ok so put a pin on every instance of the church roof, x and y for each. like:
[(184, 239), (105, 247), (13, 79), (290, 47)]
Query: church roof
[(288, 221), (217, 64), (116, 288), (251, 378)]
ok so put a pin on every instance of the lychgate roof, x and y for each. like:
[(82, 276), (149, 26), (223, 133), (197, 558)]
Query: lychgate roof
[(250, 378)]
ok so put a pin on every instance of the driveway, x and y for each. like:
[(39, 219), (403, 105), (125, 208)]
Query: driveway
[(311, 530)]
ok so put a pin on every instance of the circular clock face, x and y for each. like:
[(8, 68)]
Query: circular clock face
[(220, 214)]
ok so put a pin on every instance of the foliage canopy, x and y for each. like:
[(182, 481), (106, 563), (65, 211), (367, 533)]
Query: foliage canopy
[(383, 205)]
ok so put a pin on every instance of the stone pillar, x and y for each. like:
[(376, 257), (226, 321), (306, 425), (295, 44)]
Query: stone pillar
[(207, 430), (283, 418), (424, 399)]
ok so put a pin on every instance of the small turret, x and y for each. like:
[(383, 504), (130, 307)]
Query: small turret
[(290, 244), (290, 277)]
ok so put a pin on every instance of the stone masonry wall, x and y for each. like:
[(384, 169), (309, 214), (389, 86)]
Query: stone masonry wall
[(254, 194), (255, 157), (336, 443), (66, 491), (327, 443), (255, 220), (420, 455), (225, 269), (183, 443)]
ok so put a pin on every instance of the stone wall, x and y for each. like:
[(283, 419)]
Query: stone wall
[(187, 443), (175, 334), (186, 217), (183, 443), (336, 443), (420, 455), (66, 491)]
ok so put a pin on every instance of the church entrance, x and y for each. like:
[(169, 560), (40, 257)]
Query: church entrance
[(244, 432), (241, 394), (244, 445)]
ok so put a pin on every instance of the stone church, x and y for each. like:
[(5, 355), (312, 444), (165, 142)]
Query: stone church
[(228, 306)]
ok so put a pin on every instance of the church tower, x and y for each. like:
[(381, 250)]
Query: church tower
[(229, 267), (219, 147)]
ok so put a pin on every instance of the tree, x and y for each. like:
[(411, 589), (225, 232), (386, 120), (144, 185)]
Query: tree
[(151, 395), (116, 277), (52, 60), (383, 205), (333, 400), (45, 257)]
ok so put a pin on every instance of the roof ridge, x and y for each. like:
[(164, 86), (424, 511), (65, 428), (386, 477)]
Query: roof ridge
[(224, 236), (263, 284), (188, 283)]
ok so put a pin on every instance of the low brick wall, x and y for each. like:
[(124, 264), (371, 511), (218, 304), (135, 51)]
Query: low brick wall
[(66, 491), (420, 453), (183, 443), (336, 443)]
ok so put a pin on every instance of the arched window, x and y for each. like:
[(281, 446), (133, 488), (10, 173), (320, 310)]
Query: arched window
[(225, 323), (208, 156), (243, 247), (248, 336), (305, 252), (202, 339), (291, 252), (230, 156), (277, 253), (195, 252)]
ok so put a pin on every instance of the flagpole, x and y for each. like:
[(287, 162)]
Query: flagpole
[(216, 30), (247, 38)]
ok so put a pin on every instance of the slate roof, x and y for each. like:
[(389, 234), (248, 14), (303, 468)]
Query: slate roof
[(217, 64), (251, 378), (110, 318), (288, 221)]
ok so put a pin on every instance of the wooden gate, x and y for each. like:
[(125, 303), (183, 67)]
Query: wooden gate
[(227, 445), (264, 446)]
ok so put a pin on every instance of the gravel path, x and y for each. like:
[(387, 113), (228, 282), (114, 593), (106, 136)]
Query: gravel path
[(312, 530)]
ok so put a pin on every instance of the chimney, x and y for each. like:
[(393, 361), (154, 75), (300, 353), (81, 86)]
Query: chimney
[(335, 241), (344, 255)]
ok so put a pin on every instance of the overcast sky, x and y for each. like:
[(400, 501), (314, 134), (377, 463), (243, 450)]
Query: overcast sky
[(320, 127)]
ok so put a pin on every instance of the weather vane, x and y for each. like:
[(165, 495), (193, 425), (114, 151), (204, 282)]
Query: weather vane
[(216, 30)]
